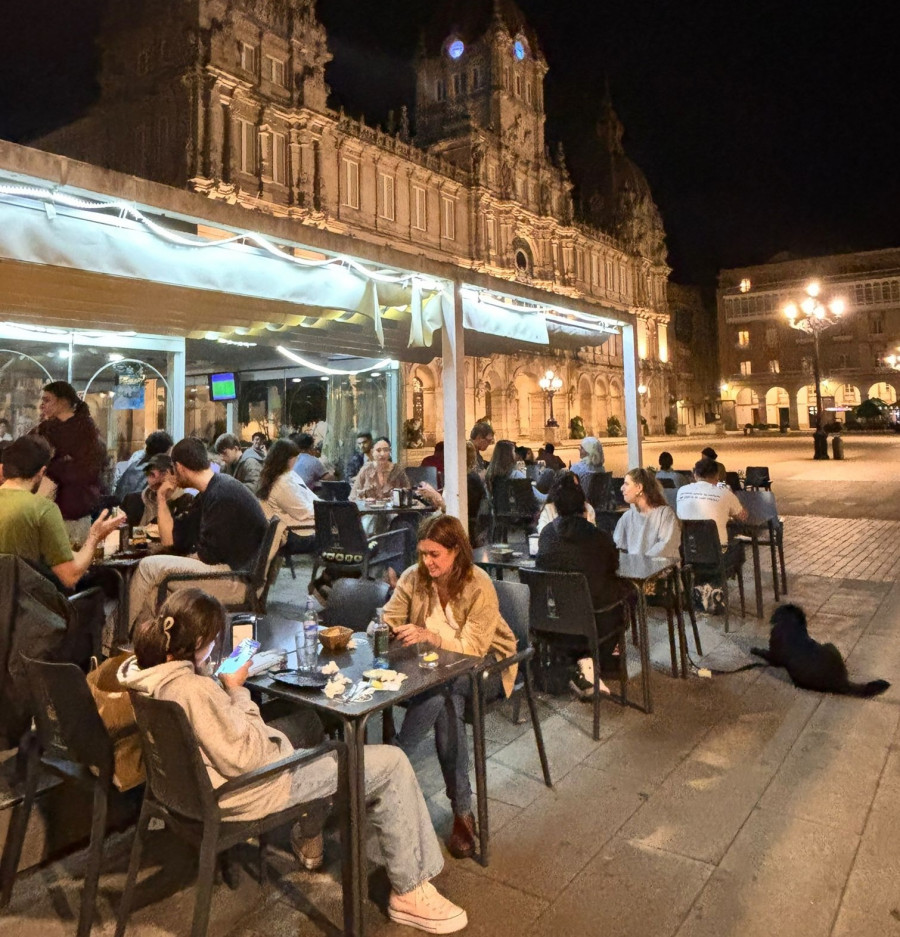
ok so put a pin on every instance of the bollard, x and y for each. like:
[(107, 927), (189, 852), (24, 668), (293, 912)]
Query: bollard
[(837, 447)]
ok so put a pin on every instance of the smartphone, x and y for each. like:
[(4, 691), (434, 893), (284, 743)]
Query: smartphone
[(239, 656)]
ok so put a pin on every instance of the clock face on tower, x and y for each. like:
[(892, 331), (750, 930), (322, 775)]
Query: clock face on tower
[(456, 49), (519, 49)]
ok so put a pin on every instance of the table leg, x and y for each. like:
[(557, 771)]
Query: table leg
[(757, 574), (354, 866), (480, 767), (644, 647), (679, 612), (773, 550)]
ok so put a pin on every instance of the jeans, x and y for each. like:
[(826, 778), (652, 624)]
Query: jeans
[(401, 834), (442, 709)]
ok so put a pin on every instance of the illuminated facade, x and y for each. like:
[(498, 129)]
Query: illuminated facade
[(228, 98), (767, 366)]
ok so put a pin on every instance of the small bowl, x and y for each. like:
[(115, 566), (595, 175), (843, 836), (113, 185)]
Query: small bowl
[(335, 639)]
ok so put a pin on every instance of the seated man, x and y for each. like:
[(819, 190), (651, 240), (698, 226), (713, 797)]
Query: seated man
[(482, 435), (710, 453), (308, 465), (705, 499), (141, 507), (665, 471), (223, 530), (32, 527), (245, 465), (133, 477), (548, 455), (362, 455)]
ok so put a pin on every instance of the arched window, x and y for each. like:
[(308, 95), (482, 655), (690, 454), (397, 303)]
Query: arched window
[(418, 401)]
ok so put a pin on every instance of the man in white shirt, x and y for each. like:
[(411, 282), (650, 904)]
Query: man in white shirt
[(706, 500)]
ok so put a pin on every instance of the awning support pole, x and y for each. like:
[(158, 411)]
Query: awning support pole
[(454, 381), (632, 403)]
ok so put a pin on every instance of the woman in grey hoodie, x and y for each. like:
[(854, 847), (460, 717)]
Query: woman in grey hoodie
[(170, 652)]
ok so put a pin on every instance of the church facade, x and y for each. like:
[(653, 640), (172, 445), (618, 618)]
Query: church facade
[(229, 98)]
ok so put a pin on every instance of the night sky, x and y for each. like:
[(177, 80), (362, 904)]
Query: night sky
[(762, 127)]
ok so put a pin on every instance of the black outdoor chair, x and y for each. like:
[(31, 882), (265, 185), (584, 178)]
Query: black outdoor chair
[(334, 491), (665, 482), (702, 549), (422, 473), (733, 480), (180, 793), (761, 510), (598, 490), (607, 520), (514, 599), (72, 742), (617, 499), (343, 549), (756, 477), (257, 579), (352, 602), (513, 505), (561, 604), (671, 498)]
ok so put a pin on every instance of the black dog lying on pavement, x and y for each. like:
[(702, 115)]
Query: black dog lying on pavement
[(812, 666)]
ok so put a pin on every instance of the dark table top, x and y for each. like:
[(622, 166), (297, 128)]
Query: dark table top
[(631, 566), (273, 631), (382, 507)]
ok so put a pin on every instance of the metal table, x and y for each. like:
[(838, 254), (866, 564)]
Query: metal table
[(638, 570), (273, 631)]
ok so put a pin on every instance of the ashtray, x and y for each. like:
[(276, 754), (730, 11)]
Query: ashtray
[(302, 679)]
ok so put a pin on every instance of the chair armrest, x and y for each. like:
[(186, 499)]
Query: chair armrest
[(240, 575), (519, 657), (296, 760), (383, 542), (86, 594), (609, 608)]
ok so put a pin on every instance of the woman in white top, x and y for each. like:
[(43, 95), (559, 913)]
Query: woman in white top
[(650, 526), (283, 492), (549, 512)]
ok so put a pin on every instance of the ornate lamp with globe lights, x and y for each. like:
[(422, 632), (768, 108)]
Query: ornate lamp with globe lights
[(815, 314), (550, 384)]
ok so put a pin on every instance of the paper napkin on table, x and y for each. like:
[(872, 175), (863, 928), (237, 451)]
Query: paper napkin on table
[(330, 668), (391, 685), (336, 685)]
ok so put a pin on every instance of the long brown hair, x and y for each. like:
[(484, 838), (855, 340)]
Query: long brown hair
[(651, 487), (188, 620), (503, 461), (446, 530), (275, 465)]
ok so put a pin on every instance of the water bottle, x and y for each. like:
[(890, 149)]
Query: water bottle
[(310, 636), (381, 636)]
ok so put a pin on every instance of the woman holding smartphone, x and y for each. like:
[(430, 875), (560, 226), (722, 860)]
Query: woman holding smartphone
[(171, 652)]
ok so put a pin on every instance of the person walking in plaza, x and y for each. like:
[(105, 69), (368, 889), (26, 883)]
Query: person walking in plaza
[(222, 531), (78, 458), (171, 650), (242, 465), (448, 602), (649, 527)]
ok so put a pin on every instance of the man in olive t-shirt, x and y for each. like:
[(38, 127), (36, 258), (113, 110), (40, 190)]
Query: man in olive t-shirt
[(32, 527)]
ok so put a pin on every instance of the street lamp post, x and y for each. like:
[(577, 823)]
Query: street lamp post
[(550, 385), (815, 315)]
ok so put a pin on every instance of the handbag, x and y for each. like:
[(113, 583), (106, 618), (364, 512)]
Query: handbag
[(117, 713)]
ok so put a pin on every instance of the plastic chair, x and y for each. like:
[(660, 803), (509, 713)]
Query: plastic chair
[(733, 480), (756, 477), (334, 491), (514, 599), (514, 505), (344, 549), (665, 482), (702, 549), (422, 473), (617, 499), (179, 793), (598, 491), (607, 520), (671, 497), (761, 510), (73, 743), (561, 604), (352, 602), (257, 579)]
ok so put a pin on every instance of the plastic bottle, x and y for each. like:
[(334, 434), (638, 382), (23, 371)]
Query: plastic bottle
[(381, 636), (310, 635)]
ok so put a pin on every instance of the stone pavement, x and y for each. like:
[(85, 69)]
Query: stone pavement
[(741, 807)]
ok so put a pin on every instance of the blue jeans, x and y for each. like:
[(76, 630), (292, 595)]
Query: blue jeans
[(442, 709)]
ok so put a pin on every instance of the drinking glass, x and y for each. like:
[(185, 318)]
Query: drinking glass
[(426, 655)]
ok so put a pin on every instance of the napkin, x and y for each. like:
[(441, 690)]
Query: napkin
[(391, 685), (272, 659), (330, 668)]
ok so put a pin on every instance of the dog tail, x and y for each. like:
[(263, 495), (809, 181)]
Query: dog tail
[(872, 688)]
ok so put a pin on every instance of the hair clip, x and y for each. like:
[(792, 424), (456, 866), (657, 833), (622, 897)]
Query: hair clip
[(168, 623)]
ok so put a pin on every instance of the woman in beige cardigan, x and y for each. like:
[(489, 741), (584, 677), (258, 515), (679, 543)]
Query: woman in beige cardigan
[(449, 602)]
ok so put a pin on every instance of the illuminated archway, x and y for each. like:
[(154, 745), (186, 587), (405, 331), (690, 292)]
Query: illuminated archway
[(778, 406)]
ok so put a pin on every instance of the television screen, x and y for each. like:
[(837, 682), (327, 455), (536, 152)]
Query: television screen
[(223, 386)]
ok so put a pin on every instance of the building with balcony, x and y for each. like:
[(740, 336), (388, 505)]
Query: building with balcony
[(767, 366)]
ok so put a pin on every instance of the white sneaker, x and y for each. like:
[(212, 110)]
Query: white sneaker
[(582, 684), (427, 909)]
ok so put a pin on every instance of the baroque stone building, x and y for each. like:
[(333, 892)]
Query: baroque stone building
[(767, 366), (229, 98)]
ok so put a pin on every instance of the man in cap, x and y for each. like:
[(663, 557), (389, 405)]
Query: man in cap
[(713, 456), (142, 507)]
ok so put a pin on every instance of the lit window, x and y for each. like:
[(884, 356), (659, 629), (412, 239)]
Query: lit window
[(248, 146), (448, 218), (387, 197), (279, 158), (351, 183), (420, 217), (275, 70), (774, 367), (249, 55), (456, 49), (743, 339), (746, 368)]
